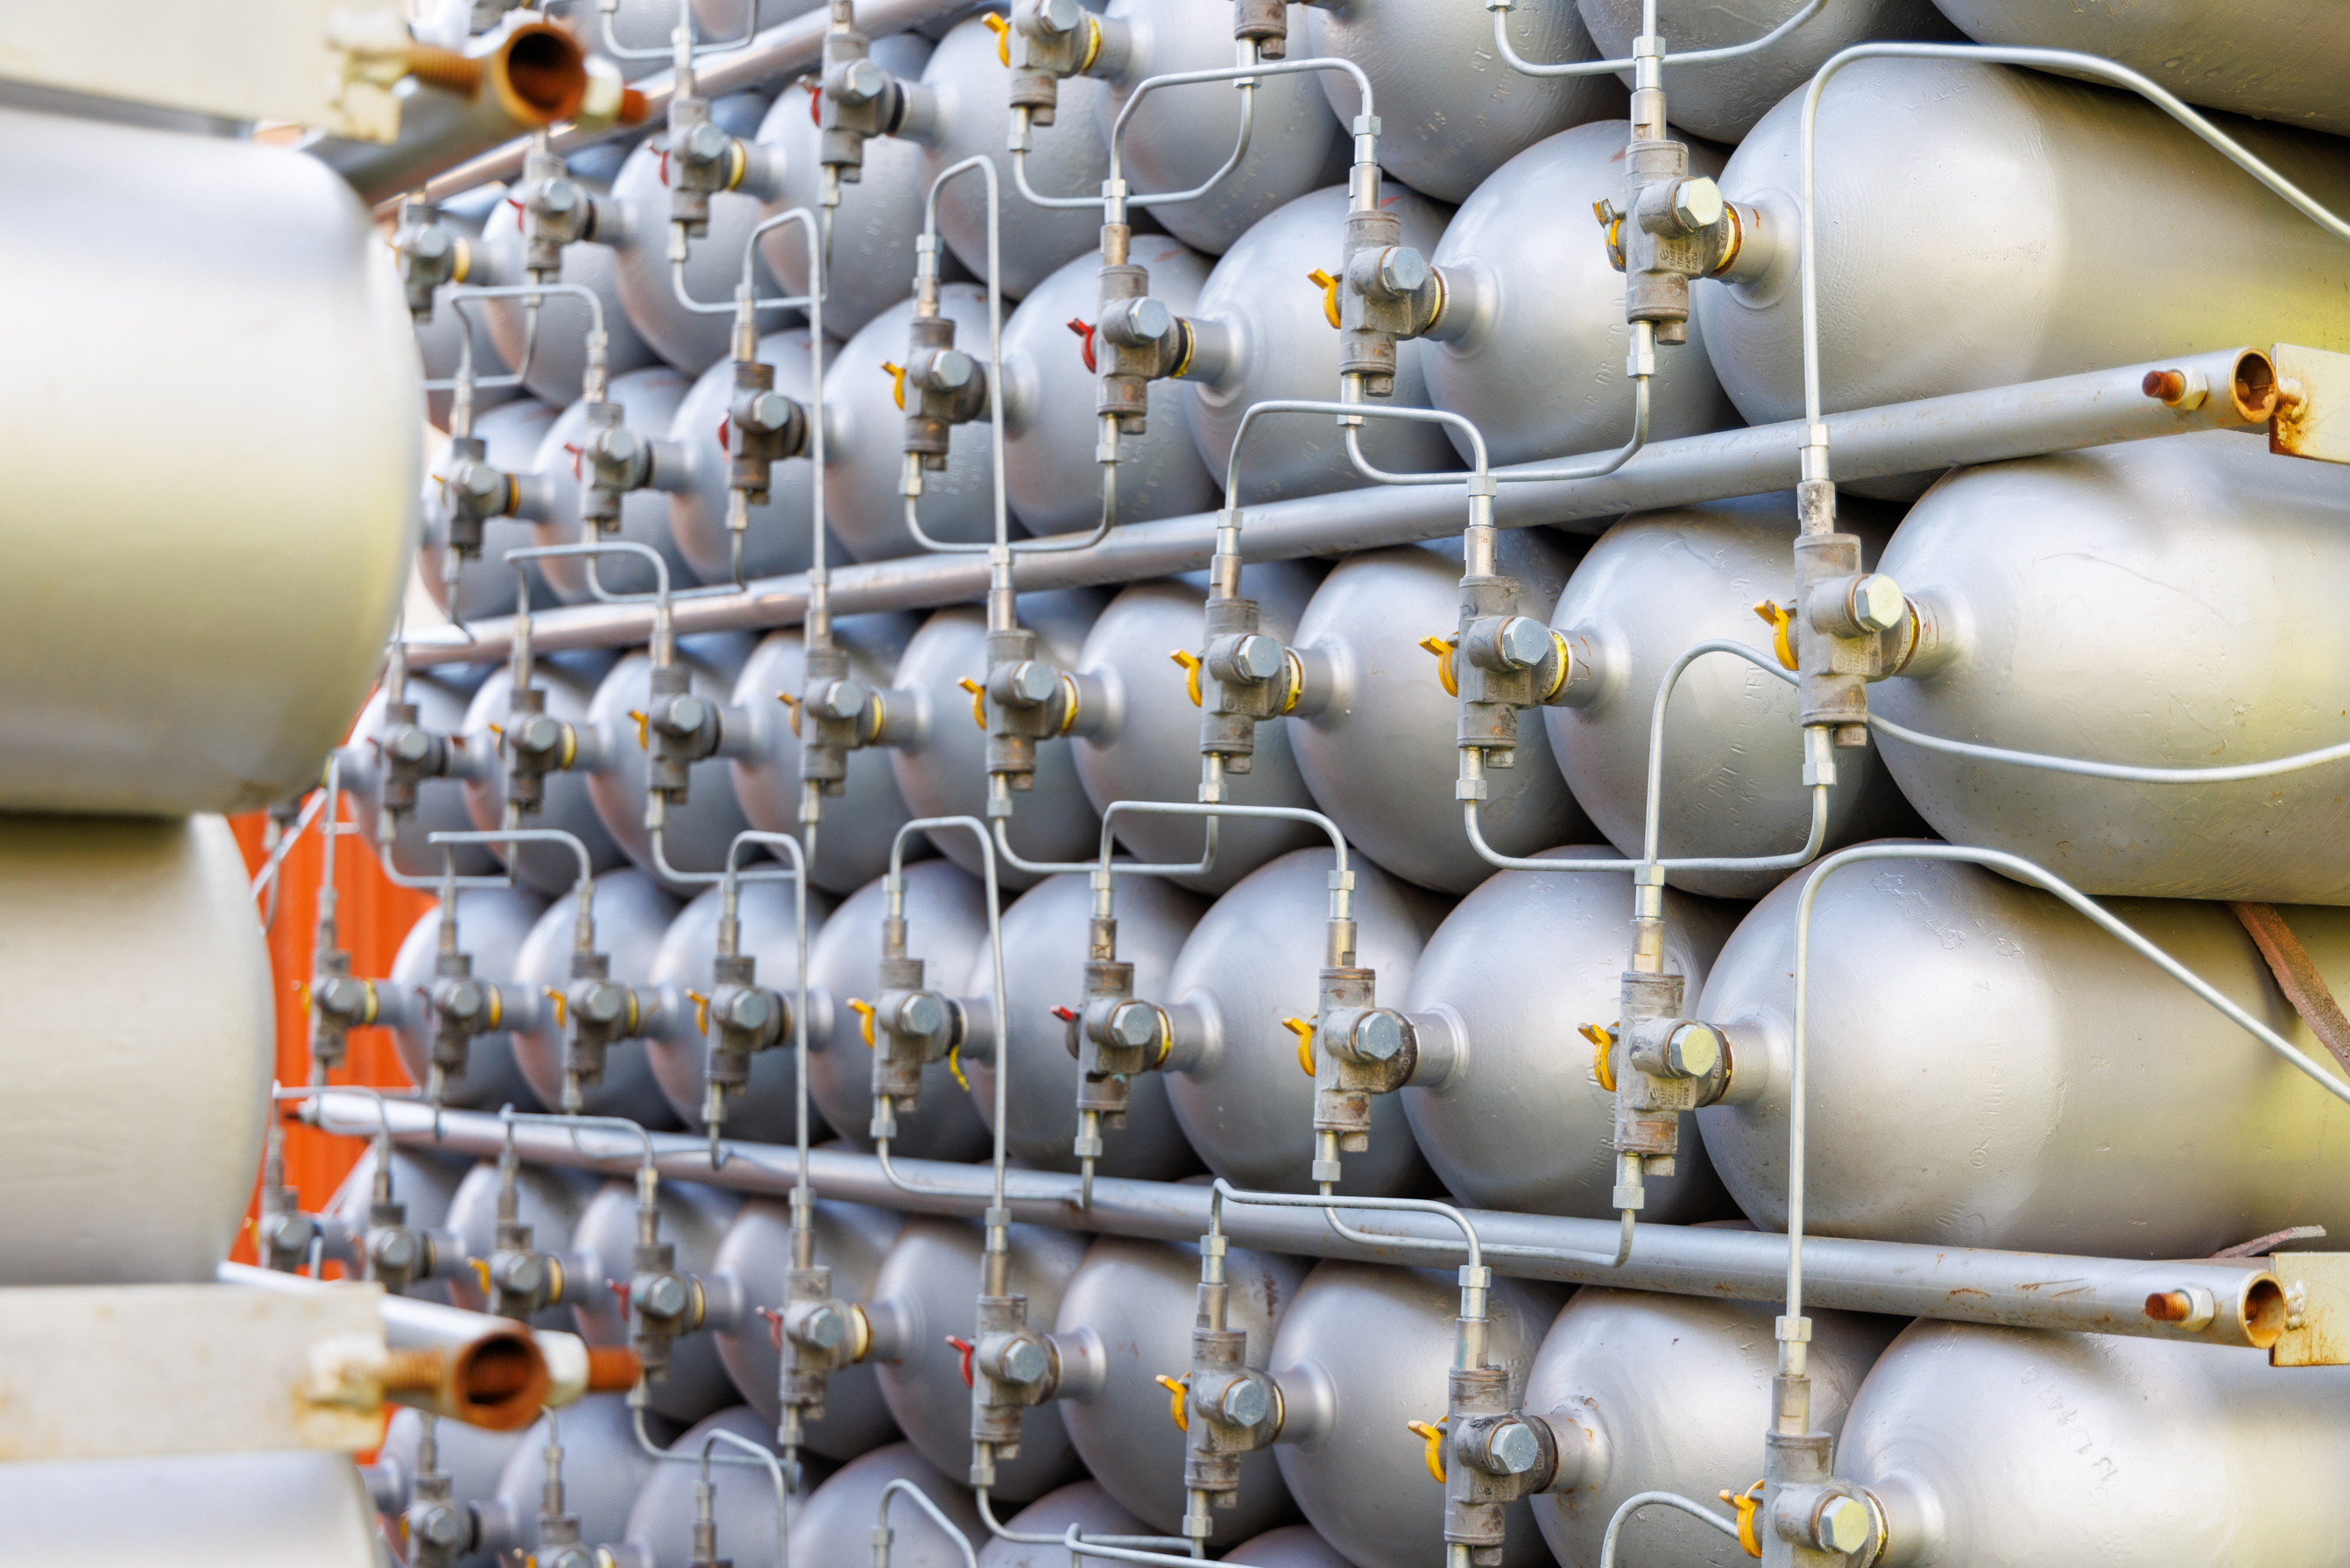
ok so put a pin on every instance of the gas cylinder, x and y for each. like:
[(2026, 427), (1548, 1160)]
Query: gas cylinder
[(881, 211), (1532, 340), (744, 1505), (755, 1254), (1655, 585), (2019, 224), (2042, 1087), (837, 1524), (923, 1294), (970, 88), (1291, 1546), (492, 923), (1723, 98), (1264, 335), (694, 1218), (1086, 1504), (1519, 1121), (853, 838), (943, 771), (1044, 948), (1673, 1394), (1137, 1303), (487, 585), (766, 1111), (865, 441), (1236, 1076), (548, 1199), (441, 696), (2011, 1445), (1141, 739), (778, 539), (188, 634), (2165, 603), (649, 400), (1372, 1345), (1050, 429), (631, 913), (555, 369), (1180, 137), (701, 830), (648, 283), (569, 681), (2279, 62), (1449, 112), (1374, 731), (115, 933), (946, 924), (603, 1469)]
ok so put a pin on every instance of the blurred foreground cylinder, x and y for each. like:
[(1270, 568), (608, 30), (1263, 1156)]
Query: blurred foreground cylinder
[(1367, 1349), (1988, 1069), (200, 591), (2163, 604), (140, 1026), (2018, 204), (254, 1511), (2003, 1445)]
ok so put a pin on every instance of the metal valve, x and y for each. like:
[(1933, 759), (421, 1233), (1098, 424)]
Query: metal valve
[(430, 256), (664, 1304), (596, 1011), (703, 160), (745, 1018), (1229, 1408), (556, 210)]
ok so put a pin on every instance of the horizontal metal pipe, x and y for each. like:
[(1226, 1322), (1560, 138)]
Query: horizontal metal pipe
[(2094, 408), (1958, 1285), (782, 50)]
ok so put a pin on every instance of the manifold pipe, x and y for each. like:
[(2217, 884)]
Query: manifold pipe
[(555, 1368), (782, 51), (2098, 408), (1956, 1285)]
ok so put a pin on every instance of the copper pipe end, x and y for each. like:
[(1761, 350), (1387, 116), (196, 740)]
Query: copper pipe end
[(612, 1369)]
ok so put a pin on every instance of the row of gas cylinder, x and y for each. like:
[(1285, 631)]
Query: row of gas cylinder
[(1529, 343), (2123, 1445)]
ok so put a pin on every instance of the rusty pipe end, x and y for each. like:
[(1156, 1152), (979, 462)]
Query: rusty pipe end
[(2264, 1311), (612, 1369), (498, 1382), (446, 69), (2252, 386), (539, 74)]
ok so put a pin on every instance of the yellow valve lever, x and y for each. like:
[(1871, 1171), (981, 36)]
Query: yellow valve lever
[(1329, 287), (556, 997), (1191, 663), (482, 1273), (1003, 31), (978, 701), (864, 1010), (1176, 1388), (643, 719), (1433, 1454), (1603, 1041), (302, 993), (701, 1012), (1305, 1032), (1781, 618), (1441, 647), (955, 1066), (1746, 1503), (897, 374), (791, 705)]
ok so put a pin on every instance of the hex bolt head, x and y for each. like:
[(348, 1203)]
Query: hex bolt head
[(599, 1002), (1147, 319), (706, 143), (1021, 1361), (1243, 1402), (394, 1251), (821, 1326), (1842, 1525), (1878, 602), (1694, 1050), (1512, 1449), (663, 1296), (749, 1010), (426, 244), (462, 999), (522, 1274), (1135, 1024), (556, 197), (539, 733), (619, 444), (481, 482), (1377, 1036), (1402, 270), (409, 744), (341, 995), (686, 714), (768, 411), (1257, 657), (1058, 16), (441, 1527), (1524, 641), (1033, 681), (844, 699), (861, 82), (1696, 202), (951, 370), (921, 1015)]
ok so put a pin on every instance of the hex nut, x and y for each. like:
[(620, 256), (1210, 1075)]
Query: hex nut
[(1135, 1024), (1402, 270), (1696, 202), (1842, 1524), (922, 1014), (1512, 1449), (749, 1009), (1059, 15), (1524, 641), (1033, 681), (706, 143), (861, 82), (1878, 602), (1021, 1361), (1693, 1051), (686, 714), (951, 370), (663, 1296), (1257, 657), (822, 1326), (1377, 1037), (1243, 1402)]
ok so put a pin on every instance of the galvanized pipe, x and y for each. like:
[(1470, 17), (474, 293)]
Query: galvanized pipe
[(2022, 1290), (2064, 414)]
